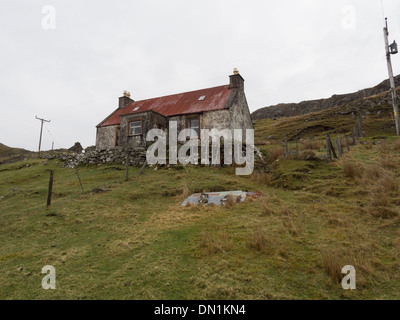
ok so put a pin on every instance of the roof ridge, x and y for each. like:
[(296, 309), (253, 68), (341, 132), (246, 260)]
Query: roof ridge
[(177, 94)]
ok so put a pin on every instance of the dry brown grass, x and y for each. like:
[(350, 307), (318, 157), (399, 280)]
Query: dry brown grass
[(383, 212), (214, 242), (230, 202), (389, 163), (258, 241), (275, 154), (310, 145), (267, 206), (396, 146), (380, 199), (379, 180), (290, 227), (368, 145), (263, 177), (384, 147), (307, 155), (352, 169), (185, 192), (332, 262)]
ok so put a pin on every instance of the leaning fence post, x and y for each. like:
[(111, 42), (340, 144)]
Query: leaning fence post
[(142, 168), (328, 147), (79, 178), (50, 188)]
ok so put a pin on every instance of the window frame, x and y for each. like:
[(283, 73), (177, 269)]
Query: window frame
[(129, 127), (188, 121)]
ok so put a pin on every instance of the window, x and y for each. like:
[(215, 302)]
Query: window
[(194, 123), (136, 109), (202, 98), (135, 127)]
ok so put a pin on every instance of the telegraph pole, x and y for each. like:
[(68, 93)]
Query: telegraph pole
[(41, 131), (392, 84)]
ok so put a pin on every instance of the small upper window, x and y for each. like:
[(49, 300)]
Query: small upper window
[(202, 98), (136, 108), (135, 127)]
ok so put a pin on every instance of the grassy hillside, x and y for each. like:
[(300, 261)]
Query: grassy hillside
[(378, 121), (8, 154), (136, 242)]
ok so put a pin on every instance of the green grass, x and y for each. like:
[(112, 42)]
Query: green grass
[(136, 242)]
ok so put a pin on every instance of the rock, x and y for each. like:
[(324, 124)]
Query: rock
[(77, 148)]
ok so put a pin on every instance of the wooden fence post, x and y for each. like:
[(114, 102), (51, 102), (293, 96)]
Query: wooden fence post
[(79, 178), (142, 168), (354, 137), (347, 143), (50, 188), (286, 147), (339, 145), (127, 167), (328, 148), (297, 147)]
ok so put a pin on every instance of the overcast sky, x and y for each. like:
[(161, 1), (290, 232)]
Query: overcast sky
[(287, 51)]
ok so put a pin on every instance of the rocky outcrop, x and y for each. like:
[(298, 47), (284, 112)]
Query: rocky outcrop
[(77, 148), (305, 107)]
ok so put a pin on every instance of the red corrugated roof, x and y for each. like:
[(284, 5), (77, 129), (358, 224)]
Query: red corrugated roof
[(177, 104)]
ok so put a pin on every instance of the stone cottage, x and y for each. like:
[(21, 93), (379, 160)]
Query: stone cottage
[(223, 107)]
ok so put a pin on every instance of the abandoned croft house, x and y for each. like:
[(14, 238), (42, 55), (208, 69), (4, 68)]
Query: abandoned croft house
[(223, 107)]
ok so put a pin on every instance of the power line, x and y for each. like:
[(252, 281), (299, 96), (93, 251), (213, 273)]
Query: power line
[(383, 11), (41, 131)]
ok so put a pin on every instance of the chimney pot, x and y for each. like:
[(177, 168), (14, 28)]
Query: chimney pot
[(125, 99), (236, 81)]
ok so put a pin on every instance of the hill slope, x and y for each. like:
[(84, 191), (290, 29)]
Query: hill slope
[(136, 242), (294, 109), (8, 154)]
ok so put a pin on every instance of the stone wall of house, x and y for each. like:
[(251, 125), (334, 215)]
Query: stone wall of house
[(149, 119), (137, 156), (240, 117), (105, 137), (218, 119)]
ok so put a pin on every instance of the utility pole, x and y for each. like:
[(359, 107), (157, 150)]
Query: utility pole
[(41, 131), (392, 84)]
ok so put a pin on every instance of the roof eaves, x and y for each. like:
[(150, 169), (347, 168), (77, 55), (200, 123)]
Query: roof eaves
[(99, 125)]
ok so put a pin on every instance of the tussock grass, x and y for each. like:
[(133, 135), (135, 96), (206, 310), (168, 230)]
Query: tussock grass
[(275, 154), (267, 206), (396, 146), (310, 145), (335, 259), (258, 241), (263, 178), (352, 169), (307, 155), (215, 242)]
